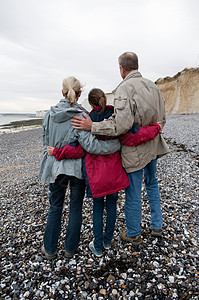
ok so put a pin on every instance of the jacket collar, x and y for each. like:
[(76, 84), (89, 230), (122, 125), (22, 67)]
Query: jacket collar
[(96, 108), (133, 74), (64, 100)]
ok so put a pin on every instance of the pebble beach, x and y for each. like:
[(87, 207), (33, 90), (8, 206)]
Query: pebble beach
[(166, 267)]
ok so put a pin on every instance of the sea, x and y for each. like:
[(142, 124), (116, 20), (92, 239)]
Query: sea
[(8, 118)]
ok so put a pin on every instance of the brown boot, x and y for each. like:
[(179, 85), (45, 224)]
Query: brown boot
[(156, 232), (135, 240)]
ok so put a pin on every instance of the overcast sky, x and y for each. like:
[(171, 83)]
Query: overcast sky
[(44, 41)]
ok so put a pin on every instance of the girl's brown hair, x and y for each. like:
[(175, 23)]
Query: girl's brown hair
[(97, 98)]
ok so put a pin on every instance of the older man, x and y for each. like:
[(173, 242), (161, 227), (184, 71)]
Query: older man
[(137, 101)]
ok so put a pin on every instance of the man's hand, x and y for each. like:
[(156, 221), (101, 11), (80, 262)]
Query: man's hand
[(80, 123)]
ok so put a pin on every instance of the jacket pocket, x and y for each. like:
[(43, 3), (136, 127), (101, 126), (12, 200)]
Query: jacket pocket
[(120, 102), (130, 157)]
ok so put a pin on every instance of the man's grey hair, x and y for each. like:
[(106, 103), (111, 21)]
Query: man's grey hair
[(129, 61)]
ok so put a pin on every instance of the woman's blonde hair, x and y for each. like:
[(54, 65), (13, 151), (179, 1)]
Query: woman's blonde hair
[(71, 89)]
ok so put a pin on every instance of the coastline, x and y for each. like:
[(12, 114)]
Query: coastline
[(21, 125)]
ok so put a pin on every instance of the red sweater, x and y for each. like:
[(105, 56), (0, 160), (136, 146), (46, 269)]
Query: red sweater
[(144, 135), (68, 152)]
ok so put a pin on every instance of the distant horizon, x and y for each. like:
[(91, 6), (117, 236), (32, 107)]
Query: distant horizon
[(16, 113)]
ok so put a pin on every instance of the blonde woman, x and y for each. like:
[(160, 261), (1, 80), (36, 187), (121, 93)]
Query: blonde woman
[(58, 132)]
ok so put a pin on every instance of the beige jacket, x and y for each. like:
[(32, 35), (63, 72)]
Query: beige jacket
[(137, 101)]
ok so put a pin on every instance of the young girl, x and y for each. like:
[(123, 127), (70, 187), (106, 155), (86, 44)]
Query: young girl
[(104, 175)]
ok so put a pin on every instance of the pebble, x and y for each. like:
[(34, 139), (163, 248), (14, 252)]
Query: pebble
[(102, 292), (123, 275), (110, 278), (114, 292), (171, 279), (160, 268)]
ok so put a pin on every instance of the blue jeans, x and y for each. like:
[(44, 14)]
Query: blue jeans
[(111, 211), (133, 204), (56, 198)]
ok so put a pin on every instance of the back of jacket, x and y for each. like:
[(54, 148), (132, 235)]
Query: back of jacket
[(57, 132), (137, 101), (104, 175)]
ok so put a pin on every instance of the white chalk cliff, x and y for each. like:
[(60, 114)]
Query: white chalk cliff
[(181, 92)]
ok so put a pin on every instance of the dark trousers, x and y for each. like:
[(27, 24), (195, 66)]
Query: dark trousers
[(56, 198)]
